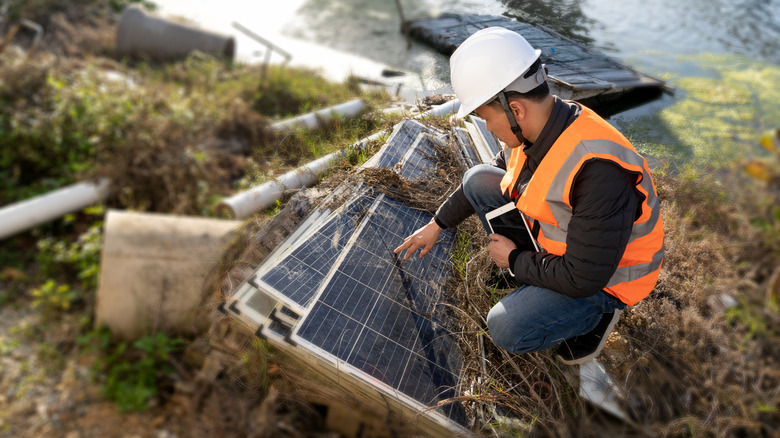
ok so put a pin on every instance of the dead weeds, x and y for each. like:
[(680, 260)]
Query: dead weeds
[(688, 359)]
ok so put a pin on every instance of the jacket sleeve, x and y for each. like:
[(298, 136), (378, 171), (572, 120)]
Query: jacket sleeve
[(457, 207), (454, 210), (605, 204), (499, 160)]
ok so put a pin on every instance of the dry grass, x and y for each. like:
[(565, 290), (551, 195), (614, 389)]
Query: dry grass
[(689, 365)]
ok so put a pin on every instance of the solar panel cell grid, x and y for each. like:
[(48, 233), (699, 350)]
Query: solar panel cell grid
[(300, 273), (418, 162), (361, 306), (386, 306)]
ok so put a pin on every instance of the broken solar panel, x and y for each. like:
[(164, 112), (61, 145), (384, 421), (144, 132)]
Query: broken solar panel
[(399, 143), (490, 140), (468, 150), (338, 290), (416, 161)]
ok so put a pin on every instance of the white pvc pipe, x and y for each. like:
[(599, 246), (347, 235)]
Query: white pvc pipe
[(442, 110), (312, 120), (244, 204), (27, 214)]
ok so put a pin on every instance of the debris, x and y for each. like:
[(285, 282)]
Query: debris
[(597, 386)]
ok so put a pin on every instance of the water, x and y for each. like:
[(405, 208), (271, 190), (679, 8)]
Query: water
[(672, 39), (652, 35), (655, 36)]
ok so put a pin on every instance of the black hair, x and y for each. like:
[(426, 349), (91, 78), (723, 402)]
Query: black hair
[(537, 94)]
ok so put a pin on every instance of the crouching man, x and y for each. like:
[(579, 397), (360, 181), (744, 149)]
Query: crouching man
[(584, 237)]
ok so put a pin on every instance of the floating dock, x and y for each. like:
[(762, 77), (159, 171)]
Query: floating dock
[(576, 72)]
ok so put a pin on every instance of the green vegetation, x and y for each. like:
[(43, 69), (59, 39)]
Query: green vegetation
[(130, 374), (713, 121), (134, 124), (171, 137)]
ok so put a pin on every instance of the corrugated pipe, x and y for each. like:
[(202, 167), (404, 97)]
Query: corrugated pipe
[(27, 214), (244, 204)]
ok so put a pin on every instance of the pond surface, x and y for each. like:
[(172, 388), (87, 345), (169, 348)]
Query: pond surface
[(698, 46)]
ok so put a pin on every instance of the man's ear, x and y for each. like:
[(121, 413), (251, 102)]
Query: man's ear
[(518, 109)]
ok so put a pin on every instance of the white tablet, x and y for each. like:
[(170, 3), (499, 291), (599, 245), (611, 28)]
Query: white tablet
[(506, 208), (489, 216)]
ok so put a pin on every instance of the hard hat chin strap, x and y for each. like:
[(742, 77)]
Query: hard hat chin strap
[(512, 122)]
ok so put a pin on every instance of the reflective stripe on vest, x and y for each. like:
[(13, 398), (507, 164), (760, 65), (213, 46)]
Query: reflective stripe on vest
[(547, 200)]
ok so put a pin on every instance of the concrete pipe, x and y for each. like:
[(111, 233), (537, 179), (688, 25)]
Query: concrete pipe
[(152, 270), (143, 35)]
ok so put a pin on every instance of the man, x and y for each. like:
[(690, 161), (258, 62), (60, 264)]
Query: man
[(586, 197)]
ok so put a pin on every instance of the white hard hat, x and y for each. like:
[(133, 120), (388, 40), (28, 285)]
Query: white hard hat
[(488, 62)]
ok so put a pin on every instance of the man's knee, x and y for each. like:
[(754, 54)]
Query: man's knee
[(482, 182), (502, 329), (476, 175), (510, 334)]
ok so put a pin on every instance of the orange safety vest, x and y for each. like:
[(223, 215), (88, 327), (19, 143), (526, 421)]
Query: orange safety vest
[(546, 199)]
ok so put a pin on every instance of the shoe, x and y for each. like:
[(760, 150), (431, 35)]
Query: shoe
[(583, 348)]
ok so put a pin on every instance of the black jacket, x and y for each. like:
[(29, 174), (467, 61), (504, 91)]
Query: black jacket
[(605, 204)]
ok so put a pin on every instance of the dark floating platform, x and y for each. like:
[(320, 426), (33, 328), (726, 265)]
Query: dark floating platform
[(576, 72)]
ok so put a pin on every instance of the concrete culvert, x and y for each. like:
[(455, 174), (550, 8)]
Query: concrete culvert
[(143, 35)]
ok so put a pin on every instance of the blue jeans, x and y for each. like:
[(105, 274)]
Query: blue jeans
[(530, 318)]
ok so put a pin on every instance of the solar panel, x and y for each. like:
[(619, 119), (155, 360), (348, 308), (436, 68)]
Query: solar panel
[(383, 315), (302, 270), (337, 290), (399, 142), (417, 163), (490, 140)]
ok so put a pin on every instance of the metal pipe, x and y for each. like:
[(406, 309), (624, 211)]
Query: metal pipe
[(271, 46), (27, 214)]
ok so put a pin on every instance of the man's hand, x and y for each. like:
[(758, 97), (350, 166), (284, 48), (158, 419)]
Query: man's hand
[(499, 248), (422, 239)]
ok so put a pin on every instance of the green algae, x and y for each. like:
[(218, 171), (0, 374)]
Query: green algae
[(714, 121)]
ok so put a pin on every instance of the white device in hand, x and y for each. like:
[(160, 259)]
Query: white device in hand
[(489, 216)]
